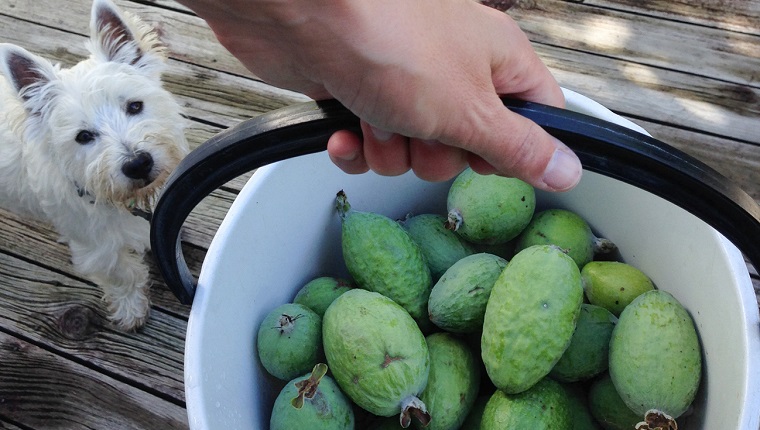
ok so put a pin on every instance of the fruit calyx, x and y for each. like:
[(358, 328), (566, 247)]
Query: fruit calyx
[(307, 388), (413, 407), (286, 323), (603, 246), (454, 220), (657, 420), (341, 204)]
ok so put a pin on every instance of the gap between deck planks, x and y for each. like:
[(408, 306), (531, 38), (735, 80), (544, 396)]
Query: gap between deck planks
[(45, 390), (62, 311)]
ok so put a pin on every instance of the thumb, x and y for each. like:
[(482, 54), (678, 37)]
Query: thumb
[(511, 143), (515, 146)]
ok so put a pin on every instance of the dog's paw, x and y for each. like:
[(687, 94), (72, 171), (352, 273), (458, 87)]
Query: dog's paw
[(130, 312)]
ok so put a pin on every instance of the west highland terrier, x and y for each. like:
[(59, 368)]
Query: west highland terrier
[(87, 149)]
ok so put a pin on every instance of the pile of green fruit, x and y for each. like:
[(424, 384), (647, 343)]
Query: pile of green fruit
[(492, 316)]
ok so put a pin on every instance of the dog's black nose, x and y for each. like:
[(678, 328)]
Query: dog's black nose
[(139, 166)]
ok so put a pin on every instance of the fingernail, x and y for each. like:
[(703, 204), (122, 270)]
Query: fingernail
[(564, 169), (350, 156), (380, 134)]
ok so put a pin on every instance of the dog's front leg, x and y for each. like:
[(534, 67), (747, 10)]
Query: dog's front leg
[(123, 276)]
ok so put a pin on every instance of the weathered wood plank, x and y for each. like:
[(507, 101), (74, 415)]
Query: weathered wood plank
[(203, 222), (196, 133), (169, 4), (658, 95), (5, 425), (161, 296), (187, 36), (741, 16), (42, 390), (221, 98), (67, 315), (36, 241), (740, 162), (694, 49)]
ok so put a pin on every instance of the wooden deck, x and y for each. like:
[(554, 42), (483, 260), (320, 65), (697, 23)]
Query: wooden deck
[(686, 70)]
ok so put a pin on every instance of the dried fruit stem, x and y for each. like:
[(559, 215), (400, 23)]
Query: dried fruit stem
[(603, 246), (308, 387), (287, 323), (413, 407), (454, 220), (341, 204), (657, 420)]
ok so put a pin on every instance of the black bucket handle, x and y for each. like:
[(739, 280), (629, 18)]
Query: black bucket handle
[(603, 147)]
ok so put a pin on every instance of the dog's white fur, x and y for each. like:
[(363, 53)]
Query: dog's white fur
[(65, 135)]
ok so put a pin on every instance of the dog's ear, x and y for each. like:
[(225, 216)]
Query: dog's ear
[(27, 73), (121, 37)]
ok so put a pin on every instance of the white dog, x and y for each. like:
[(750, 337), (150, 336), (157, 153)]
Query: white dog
[(86, 148)]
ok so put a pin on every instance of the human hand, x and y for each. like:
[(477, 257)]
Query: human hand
[(424, 80)]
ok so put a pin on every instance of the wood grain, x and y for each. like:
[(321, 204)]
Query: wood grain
[(67, 315), (734, 15), (81, 398), (641, 39)]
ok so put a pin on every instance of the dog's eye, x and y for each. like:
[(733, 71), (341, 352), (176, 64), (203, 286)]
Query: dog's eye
[(84, 137), (133, 108)]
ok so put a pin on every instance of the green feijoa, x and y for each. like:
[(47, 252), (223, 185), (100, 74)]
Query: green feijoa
[(458, 300), (381, 256), (589, 349), (543, 406), (613, 284), (453, 382), (440, 246), (289, 341), (579, 409), (567, 230), (377, 354), (608, 408), (475, 417), (655, 357), (318, 293), (314, 402), (489, 209), (530, 317)]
